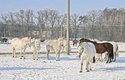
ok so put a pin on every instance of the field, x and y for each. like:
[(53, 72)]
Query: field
[(66, 69)]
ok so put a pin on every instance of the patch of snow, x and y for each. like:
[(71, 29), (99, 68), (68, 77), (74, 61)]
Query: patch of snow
[(66, 69)]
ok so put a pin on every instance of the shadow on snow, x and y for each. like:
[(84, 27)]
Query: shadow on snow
[(23, 68)]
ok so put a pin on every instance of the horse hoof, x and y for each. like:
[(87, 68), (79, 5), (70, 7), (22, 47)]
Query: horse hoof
[(33, 59), (21, 58), (87, 70), (80, 71), (57, 60), (14, 56)]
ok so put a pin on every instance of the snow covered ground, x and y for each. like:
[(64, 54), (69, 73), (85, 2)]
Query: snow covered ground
[(66, 69)]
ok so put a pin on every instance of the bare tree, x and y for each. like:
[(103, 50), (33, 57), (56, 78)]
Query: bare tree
[(61, 20), (4, 19), (53, 15), (42, 20), (29, 21), (92, 18), (75, 24)]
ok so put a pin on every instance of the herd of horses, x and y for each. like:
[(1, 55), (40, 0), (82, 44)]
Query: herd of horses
[(35, 45), (89, 51)]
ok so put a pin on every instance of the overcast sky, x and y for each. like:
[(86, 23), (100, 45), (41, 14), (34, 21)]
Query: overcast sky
[(77, 6)]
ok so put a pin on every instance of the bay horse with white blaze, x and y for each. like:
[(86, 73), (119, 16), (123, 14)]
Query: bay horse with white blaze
[(102, 48)]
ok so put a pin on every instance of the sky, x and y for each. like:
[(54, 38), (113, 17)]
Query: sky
[(77, 6)]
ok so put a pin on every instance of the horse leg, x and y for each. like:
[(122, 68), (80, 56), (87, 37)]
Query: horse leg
[(57, 56), (81, 66), (103, 57), (21, 54), (48, 51), (94, 59), (97, 57), (87, 65), (13, 52), (116, 53), (108, 58), (34, 55), (37, 55), (90, 65), (114, 56), (82, 60)]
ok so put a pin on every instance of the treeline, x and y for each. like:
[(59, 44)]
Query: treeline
[(107, 24)]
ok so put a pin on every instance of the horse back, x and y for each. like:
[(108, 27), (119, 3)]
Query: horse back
[(108, 45), (89, 49)]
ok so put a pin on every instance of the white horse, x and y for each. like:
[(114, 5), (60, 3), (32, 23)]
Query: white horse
[(87, 51), (56, 46), (21, 45), (35, 46)]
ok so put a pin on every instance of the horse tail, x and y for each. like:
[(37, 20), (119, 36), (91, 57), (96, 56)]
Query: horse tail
[(117, 51), (111, 55)]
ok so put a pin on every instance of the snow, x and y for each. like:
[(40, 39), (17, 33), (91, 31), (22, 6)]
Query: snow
[(66, 69)]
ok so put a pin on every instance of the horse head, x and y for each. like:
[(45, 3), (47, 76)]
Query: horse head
[(26, 41), (61, 41)]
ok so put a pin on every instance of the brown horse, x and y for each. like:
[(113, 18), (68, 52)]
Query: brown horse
[(75, 42), (101, 48)]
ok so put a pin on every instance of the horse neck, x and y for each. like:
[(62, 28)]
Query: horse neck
[(91, 41)]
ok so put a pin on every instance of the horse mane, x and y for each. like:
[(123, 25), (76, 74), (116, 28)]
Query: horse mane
[(87, 40)]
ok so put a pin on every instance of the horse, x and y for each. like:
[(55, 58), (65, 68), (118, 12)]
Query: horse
[(115, 50), (102, 48), (75, 42), (35, 47), (21, 45), (4, 40), (86, 51), (56, 46)]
